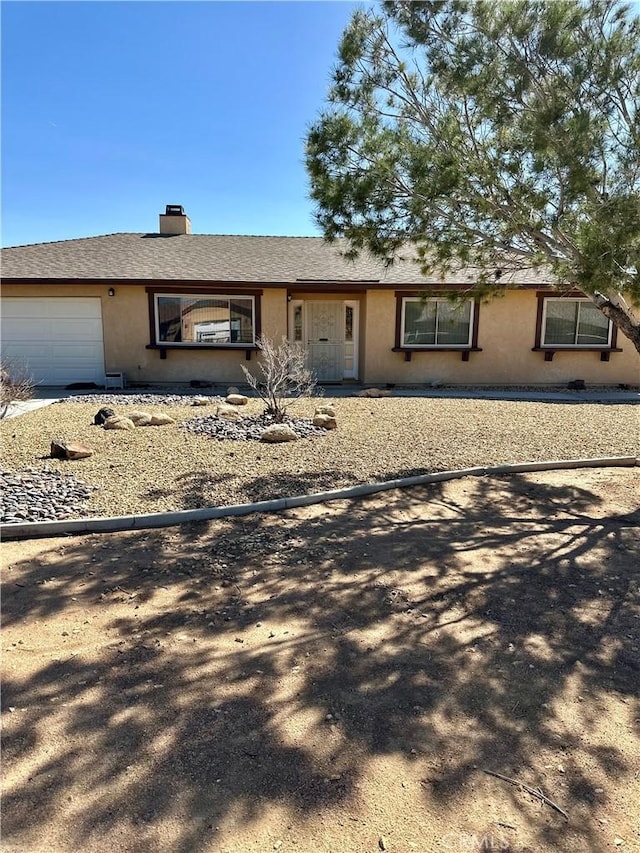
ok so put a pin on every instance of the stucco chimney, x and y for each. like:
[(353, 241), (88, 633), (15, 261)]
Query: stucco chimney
[(174, 220)]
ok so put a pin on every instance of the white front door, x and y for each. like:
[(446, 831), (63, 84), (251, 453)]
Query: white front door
[(325, 340), (328, 329)]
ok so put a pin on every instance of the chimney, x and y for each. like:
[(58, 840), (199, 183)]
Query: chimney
[(174, 220)]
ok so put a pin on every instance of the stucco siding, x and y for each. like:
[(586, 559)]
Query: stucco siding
[(506, 335), (125, 318)]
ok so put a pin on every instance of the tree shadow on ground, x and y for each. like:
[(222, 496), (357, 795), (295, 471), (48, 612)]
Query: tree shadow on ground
[(266, 660), (198, 488)]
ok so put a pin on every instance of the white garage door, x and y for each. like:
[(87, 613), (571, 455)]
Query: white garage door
[(58, 340)]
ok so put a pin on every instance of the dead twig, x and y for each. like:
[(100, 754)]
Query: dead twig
[(534, 793), (122, 589)]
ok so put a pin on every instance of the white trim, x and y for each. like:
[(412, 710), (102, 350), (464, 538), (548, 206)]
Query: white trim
[(352, 303)]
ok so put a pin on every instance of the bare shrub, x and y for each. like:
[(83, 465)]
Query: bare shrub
[(15, 385), (284, 377)]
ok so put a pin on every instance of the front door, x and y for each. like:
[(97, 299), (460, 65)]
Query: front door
[(329, 331), (325, 339)]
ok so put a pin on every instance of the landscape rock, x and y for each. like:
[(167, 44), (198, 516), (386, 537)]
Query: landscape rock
[(278, 432), (102, 415), (326, 409), (325, 421), (374, 392), (69, 450), (201, 401), (119, 422), (228, 412), (140, 418), (236, 399), (161, 420)]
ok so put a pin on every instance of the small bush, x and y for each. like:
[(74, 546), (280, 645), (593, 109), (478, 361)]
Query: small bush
[(285, 377), (15, 385)]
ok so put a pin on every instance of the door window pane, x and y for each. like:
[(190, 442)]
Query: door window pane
[(297, 323), (348, 323)]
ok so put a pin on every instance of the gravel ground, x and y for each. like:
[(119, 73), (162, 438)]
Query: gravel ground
[(153, 469)]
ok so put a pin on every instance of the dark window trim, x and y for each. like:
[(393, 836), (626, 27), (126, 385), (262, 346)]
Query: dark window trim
[(550, 350), (209, 290), (465, 349), (163, 347)]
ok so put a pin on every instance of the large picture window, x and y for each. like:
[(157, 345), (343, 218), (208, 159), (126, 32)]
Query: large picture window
[(574, 323), (204, 320), (436, 323)]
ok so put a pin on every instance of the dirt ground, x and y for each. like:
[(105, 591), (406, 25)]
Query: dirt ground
[(335, 678)]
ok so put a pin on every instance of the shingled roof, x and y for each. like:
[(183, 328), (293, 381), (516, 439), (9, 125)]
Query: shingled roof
[(213, 257)]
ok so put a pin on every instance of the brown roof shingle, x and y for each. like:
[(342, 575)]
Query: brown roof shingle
[(215, 257)]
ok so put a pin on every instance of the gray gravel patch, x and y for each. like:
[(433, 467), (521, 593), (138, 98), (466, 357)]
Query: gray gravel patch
[(42, 495), (138, 399), (248, 429)]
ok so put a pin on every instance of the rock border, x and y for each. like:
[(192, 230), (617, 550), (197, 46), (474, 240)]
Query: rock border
[(36, 529)]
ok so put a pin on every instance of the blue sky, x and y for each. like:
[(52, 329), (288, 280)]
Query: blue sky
[(111, 110)]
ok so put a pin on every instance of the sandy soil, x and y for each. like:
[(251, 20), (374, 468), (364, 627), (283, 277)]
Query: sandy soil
[(153, 469), (335, 678)]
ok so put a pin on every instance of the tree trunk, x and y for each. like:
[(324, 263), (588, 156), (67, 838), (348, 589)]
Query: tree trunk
[(619, 314)]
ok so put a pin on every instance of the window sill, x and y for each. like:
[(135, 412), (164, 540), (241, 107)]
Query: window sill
[(408, 351), (549, 352), (164, 348)]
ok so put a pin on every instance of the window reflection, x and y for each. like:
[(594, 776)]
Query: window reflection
[(214, 320)]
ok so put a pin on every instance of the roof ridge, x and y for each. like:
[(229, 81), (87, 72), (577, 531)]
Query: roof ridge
[(267, 236), (158, 234), (72, 239)]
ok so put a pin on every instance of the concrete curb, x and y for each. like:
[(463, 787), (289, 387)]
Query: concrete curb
[(39, 529)]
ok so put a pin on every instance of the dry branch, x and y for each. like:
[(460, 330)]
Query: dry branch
[(533, 791)]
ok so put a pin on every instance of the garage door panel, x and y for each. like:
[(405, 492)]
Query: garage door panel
[(21, 354), (58, 374), (58, 307), (58, 340), (78, 330), (23, 330), (47, 329), (70, 352)]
